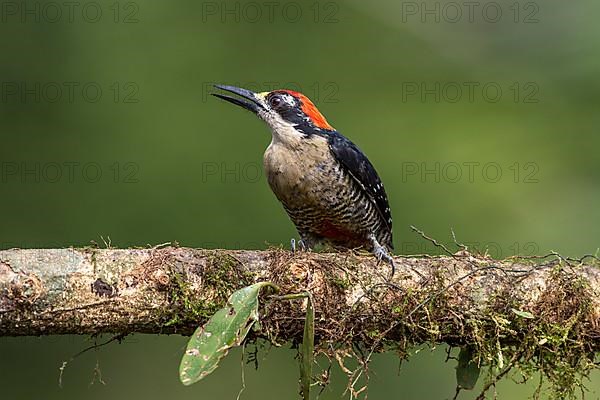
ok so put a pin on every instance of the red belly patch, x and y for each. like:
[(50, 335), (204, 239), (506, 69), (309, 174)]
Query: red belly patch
[(336, 233)]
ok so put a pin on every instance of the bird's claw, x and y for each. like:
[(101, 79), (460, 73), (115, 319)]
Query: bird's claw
[(300, 243), (381, 253)]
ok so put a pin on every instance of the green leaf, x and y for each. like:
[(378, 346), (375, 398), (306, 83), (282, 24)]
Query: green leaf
[(308, 346), (467, 370), (224, 330), (523, 314)]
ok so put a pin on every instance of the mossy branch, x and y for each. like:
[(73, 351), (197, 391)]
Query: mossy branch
[(545, 310)]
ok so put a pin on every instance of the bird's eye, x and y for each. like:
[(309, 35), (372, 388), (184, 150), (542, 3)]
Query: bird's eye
[(275, 101)]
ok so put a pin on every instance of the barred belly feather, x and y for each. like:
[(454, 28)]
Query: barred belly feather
[(322, 199)]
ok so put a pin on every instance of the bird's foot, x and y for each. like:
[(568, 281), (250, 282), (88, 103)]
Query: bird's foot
[(381, 253), (301, 244)]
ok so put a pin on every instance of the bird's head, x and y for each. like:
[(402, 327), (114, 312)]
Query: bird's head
[(285, 111)]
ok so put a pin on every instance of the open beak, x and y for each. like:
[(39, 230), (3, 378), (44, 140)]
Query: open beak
[(247, 99)]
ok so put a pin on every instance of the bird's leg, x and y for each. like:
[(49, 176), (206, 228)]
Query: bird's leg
[(307, 242), (381, 253), (303, 243)]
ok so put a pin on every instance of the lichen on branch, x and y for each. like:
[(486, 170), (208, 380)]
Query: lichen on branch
[(532, 314)]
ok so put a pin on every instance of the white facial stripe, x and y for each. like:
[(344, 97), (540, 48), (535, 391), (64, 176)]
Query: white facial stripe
[(289, 99), (282, 131)]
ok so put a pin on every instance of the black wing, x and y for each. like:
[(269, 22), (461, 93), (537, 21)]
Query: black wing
[(363, 172)]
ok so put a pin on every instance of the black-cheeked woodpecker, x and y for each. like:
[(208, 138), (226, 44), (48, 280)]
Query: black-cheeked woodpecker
[(326, 184)]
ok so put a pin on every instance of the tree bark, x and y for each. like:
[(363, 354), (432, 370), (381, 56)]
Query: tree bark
[(452, 299), (538, 314)]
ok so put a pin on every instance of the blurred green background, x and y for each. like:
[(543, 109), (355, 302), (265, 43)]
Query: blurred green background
[(483, 119)]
